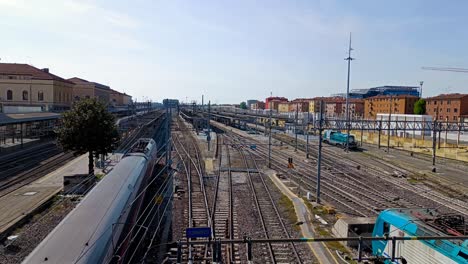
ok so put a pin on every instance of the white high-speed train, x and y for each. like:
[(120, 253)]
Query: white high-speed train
[(89, 232)]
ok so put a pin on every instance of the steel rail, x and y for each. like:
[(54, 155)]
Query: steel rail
[(265, 187)]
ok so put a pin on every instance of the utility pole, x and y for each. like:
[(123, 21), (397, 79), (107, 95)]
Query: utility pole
[(169, 145), (168, 133), (421, 85), (208, 137), (269, 141), (307, 135), (349, 59), (319, 157), (389, 123), (295, 125), (256, 120), (434, 137)]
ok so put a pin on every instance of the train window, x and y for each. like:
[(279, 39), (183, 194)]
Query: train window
[(386, 228), (463, 255)]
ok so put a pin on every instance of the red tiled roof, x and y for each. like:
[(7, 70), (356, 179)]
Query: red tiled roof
[(302, 100), (447, 96), (77, 80), (26, 69)]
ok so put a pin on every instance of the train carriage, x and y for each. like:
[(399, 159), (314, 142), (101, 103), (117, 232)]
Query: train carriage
[(420, 222), (89, 232)]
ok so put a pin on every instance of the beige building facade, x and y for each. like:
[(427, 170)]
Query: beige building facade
[(283, 107), (119, 99), (24, 88), (84, 89)]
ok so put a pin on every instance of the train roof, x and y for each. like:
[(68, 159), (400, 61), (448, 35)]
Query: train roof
[(84, 228), (422, 222)]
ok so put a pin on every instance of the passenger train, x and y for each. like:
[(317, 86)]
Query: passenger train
[(89, 232), (420, 222)]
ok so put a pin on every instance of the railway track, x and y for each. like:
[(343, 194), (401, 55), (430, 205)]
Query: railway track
[(223, 213), (354, 192), (271, 221), (12, 183), (23, 161), (424, 192), (197, 208)]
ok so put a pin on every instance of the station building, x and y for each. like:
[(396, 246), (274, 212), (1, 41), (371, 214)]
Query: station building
[(84, 89), (448, 107), (25, 88), (119, 99)]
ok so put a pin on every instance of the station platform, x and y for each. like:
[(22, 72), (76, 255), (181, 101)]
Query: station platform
[(6, 119), (10, 144), (17, 205)]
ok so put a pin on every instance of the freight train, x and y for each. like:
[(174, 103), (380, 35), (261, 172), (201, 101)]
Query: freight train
[(337, 138), (420, 222), (91, 230)]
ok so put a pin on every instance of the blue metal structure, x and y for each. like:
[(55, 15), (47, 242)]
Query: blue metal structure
[(383, 90), (419, 222)]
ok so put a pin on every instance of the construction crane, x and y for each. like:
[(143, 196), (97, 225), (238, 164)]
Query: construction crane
[(445, 69)]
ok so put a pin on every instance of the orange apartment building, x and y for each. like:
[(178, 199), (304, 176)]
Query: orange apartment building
[(385, 104), (300, 105), (356, 108), (273, 102), (258, 106), (333, 106), (451, 107)]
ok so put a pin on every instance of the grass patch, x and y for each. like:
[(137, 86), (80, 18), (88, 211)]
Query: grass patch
[(334, 245), (413, 180), (288, 205), (99, 176), (323, 232)]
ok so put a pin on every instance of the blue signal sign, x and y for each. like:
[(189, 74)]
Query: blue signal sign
[(253, 147), (195, 232)]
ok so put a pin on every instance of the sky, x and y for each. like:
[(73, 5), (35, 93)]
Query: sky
[(231, 51)]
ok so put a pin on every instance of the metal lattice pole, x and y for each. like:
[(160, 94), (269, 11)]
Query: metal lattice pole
[(349, 59), (319, 157)]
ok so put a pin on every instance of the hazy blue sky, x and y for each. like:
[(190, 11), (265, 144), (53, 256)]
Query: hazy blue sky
[(237, 50)]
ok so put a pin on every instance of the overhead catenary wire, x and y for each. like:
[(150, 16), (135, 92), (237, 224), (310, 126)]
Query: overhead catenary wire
[(164, 186)]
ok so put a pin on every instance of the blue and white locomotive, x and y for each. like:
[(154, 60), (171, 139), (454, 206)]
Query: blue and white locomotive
[(420, 222)]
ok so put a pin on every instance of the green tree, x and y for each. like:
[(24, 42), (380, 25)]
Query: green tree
[(420, 107), (243, 105), (88, 128)]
